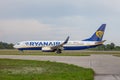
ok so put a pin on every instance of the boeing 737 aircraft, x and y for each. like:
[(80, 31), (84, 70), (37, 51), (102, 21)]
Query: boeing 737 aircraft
[(58, 46)]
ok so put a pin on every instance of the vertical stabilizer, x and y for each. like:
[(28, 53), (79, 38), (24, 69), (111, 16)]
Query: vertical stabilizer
[(98, 35)]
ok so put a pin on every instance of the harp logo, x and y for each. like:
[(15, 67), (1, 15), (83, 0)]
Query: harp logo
[(99, 34)]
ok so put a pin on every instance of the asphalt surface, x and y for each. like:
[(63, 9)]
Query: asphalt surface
[(106, 67)]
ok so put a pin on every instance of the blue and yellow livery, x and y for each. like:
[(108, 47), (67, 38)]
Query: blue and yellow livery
[(58, 46)]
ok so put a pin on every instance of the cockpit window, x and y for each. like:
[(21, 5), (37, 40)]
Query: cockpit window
[(18, 43)]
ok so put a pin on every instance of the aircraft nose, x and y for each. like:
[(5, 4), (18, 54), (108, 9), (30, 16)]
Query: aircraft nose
[(14, 46)]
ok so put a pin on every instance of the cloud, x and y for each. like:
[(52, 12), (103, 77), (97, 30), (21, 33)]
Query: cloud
[(52, 8), (19, 26), (30, 29), (56, 19), (23, 29)]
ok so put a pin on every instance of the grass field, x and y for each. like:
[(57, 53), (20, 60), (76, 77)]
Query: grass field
[(16, 52), (42, 70), (65, 53)]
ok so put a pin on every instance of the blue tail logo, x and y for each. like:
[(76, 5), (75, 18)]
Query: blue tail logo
[(98, 35)]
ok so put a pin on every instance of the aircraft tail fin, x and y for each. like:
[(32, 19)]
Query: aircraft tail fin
[(98, 35)]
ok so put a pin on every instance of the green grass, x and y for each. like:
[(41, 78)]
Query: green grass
[(64, 53), (117, 55), (42, 70), (38, 52)]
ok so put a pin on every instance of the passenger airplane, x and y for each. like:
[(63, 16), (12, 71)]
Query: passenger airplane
[(58, 46)]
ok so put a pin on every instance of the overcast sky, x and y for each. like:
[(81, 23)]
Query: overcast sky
[(56, 19)]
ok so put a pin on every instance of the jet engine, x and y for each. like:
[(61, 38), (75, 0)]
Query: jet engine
[(47, 49)]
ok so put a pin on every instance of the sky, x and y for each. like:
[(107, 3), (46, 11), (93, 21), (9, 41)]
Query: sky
[(22, 20)]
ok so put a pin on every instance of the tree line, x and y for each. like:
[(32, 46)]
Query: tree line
[(4, 45), (107, 47), (111, 46)]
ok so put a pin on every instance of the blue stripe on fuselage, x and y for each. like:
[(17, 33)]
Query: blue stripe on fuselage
[(78, 47), (30, 48), (65, 48)]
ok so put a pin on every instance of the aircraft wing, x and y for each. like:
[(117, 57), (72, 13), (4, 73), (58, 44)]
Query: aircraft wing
[(61, 45)]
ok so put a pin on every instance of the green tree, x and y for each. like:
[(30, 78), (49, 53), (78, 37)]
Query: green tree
[(117, 48), (102, 47), (112, 46), (4, 45)]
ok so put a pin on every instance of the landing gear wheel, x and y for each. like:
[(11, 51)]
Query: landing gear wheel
[(59, 51)]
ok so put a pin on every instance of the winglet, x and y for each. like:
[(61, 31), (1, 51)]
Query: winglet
[(66, 40)]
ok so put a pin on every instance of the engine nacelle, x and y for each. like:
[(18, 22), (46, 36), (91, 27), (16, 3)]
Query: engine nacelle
[(47, 49)]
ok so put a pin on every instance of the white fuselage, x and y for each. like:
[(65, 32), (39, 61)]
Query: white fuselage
[(71, 45)]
